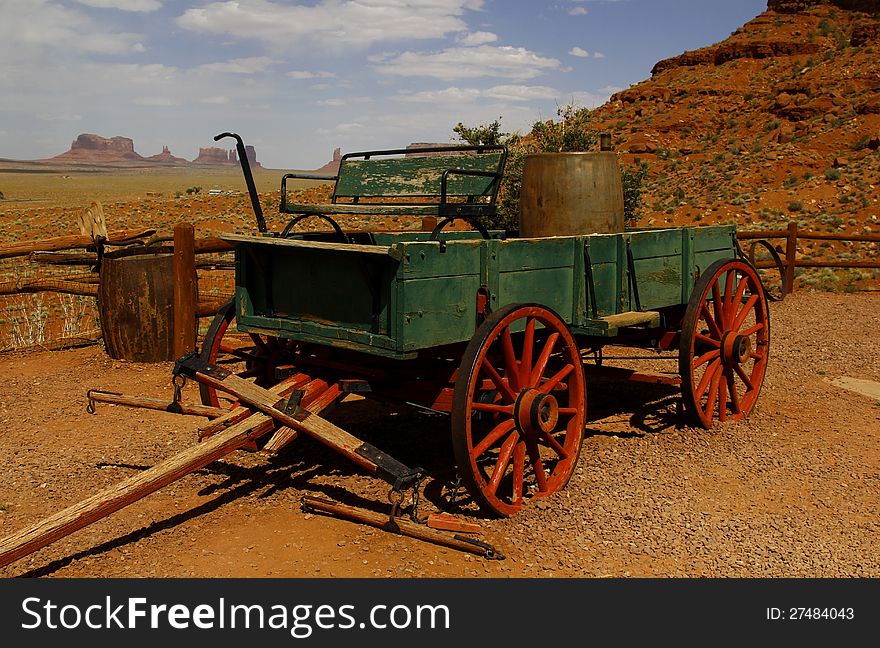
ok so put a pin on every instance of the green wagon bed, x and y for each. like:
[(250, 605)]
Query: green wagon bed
[(404, 294)]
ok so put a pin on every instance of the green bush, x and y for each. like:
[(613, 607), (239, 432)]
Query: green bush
[(832, 174)]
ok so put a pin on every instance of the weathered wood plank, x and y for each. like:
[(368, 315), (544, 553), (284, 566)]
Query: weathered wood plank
[(379, 250), (68, 242), (365, 209), (417, 176), (158, 404), (633, 318), (320, 429)]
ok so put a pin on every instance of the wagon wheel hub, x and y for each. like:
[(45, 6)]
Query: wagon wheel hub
[(536, 413), (735, 349)]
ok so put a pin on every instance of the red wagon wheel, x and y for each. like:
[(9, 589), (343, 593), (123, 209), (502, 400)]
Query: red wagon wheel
[(248, 355), (725, 343), (519, 408)]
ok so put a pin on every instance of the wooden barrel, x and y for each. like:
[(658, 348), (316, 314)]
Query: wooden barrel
[(566, 194), (136, 304)]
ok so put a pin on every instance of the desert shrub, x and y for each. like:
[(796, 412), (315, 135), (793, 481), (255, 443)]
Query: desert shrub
[(795, 206), (571, 132), (832, 174)]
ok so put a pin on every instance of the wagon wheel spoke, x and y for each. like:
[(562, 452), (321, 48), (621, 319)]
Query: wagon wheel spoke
[(707, 340), (511, 367), (703, 359), (543, 359), (490, 439), (493, 407), (555, 445), (537, 464), (506, 392), (503, 461), (744, 377), (727, 305), (557, 378), (525, 363), (722, 396), (707, 317), (747, 308), (519, 466), (734, 395), (518, 395)]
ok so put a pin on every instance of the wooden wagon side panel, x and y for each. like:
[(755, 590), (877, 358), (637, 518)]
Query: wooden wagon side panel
[(657, 268), (534, 271), (711, 244)]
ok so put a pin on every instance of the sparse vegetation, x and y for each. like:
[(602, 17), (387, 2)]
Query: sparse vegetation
[(832, 174)]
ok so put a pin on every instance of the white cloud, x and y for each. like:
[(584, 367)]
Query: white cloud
[(331, 22), (155, 101), (218, 100), (598, 55), (448, 95), (470, 62), (35, 29), (577, 51), (455, 95), (345, 127), (331, 102), (124, 5), (520, 92), (578, 11), (477, 38), (305, 74), (56, 117), (240, 66)]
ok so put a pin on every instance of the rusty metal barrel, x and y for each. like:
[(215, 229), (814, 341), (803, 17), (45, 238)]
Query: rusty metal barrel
[(566, 194), (136, 304)]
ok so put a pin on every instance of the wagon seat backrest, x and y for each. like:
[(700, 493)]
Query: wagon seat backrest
[(444, 182)]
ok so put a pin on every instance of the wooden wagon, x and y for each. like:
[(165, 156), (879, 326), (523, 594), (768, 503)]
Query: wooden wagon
[(496, 332), (493, 331)]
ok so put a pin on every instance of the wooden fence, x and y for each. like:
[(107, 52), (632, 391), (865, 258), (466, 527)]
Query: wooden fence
[(789, 258)]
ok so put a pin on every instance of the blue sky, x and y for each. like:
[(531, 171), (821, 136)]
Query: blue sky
[(298, 78)]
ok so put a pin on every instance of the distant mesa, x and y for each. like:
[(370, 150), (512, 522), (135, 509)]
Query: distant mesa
[(89, 148), (332, 167), (216, 155), (165, 157)]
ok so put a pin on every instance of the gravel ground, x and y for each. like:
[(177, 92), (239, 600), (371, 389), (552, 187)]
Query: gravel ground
[(792, 492)]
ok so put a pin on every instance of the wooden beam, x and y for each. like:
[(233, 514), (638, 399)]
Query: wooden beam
[(154, 404), (49, 285), (68, 242), (790, 257), (401, 526), (316, 427), (186, 292), (110, 500)]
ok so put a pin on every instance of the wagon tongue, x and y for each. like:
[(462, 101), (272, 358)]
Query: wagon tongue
[(297, 418)]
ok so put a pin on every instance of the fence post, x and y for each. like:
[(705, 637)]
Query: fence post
[(185, 289), (790, 254)]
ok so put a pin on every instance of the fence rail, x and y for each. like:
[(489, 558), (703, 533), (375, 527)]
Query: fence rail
[(790, 261)]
